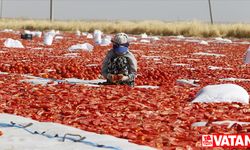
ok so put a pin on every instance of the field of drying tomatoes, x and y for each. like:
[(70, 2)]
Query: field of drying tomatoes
[(160, 117)]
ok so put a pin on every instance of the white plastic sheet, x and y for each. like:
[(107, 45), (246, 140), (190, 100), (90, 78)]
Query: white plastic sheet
[(203, 42), (72, 55), (132, 39), (229, 122), (235, 79), (58, 37), (221, 40), (50, 136), (145, 41), (188, 82), (147, 87), (208, 54), (155, 38), (180, 37)]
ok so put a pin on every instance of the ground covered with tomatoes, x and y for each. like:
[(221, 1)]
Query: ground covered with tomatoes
[(161, 117)]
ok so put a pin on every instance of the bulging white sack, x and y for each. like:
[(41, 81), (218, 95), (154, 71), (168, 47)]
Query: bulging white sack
[(34, 33), (247, 57), (155, 38), (58, 37), (203, 42), (27, 32), (90, 36), (144, 36), (10, 43), (48, 38), (222, 93), (53, 32), (78, 33), (37, 34), (180, 37), (132, 39), (85, 47), (106, 41), (98, 36), (85, 33), (8, 30)]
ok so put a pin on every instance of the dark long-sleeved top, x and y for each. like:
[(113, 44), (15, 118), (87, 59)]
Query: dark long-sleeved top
[(131, 60)]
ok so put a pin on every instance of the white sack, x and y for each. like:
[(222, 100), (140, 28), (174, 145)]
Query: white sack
[(222, 93), (85, 46), (10, 43)]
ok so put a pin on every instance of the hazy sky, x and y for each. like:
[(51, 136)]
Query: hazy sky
[(168, 10)]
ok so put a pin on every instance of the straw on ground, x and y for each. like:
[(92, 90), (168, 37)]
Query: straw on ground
[(192, 28)]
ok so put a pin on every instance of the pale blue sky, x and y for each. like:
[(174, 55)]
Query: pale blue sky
[(168, 10)]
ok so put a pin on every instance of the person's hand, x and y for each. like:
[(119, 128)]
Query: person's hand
[(122, 77), (113, 78)]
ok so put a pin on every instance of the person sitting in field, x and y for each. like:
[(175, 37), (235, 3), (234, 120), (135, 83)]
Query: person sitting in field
[(120, 65)]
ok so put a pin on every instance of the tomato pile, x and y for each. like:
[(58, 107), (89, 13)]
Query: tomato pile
[(160, 118)]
